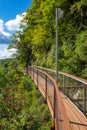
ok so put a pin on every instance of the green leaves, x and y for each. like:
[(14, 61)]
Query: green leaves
[(81, 45), (21, 104), (36, 42)]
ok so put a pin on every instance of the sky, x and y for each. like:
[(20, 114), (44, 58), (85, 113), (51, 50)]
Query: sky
[(10, 11)]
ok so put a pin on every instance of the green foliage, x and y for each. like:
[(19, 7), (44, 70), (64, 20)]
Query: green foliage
[(21, 104), (36, 42), (81, 45), (81, 51)]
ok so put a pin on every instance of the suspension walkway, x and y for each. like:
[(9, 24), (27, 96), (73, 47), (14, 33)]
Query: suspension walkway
[(60, 97)]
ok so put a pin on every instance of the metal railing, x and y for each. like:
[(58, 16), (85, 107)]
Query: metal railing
[(73, 87), (49, 88)]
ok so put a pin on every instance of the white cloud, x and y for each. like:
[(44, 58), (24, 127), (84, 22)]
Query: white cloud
[(4, 36), (5, 53), (14, 24), (1, 24)]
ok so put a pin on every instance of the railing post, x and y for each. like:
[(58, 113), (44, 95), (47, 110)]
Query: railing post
[(54, 105), (53, 127), (46, 88), (37, 78), (64, 84), (33, 73), (30, 69), (84, 99), (27, 70)]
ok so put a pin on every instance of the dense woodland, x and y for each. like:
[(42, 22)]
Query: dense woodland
[(21, 105), (35, 44)]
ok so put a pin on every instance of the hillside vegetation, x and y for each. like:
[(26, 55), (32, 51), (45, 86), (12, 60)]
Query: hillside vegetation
[(36, 42), (21, 104)]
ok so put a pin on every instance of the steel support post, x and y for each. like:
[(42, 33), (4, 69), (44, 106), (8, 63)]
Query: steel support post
[(57, 45), (46, 88)]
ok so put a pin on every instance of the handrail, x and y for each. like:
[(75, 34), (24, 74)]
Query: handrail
[(67, 83), (57, 106), (64, 73)]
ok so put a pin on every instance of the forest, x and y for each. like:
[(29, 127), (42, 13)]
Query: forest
[(21, 104), (35, 43)]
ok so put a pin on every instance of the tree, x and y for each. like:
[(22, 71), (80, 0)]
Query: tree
[(37, 38)]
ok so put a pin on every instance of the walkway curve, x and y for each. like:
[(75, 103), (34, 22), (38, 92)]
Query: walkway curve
[(65, 114)]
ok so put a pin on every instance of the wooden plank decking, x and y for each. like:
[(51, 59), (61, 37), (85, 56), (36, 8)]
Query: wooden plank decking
[(76, 118)]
